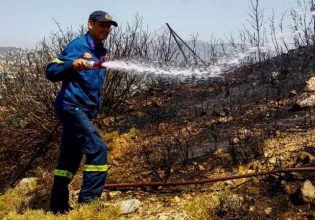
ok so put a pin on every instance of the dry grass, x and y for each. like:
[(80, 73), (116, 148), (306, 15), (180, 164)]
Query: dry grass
[(93, 211), (23, 202), (202, 207), (119, 144), (19, 199), (286, 144), (224, 204)]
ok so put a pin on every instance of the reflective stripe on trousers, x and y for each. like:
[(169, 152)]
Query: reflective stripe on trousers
[(64, 173), (95, 168)]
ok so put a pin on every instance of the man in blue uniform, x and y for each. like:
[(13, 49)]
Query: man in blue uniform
[(76, 104)]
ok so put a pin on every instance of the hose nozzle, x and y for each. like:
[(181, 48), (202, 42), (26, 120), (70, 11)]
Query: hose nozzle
[(96, 64)]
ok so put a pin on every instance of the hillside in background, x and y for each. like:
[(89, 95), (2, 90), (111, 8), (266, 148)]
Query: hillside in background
[(8, 53)]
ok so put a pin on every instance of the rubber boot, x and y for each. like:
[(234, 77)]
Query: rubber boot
[(59, 199)]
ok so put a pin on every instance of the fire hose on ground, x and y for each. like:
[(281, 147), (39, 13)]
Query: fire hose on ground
[(213, 180)]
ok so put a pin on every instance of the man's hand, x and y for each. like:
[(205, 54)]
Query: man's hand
[(80, 64)]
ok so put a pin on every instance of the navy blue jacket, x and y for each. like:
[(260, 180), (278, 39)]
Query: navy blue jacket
[(79, 88)]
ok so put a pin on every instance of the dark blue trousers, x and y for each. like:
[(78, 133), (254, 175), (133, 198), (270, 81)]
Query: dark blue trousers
[(80, 137)]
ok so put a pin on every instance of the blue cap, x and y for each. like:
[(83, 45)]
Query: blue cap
[(102, 16)]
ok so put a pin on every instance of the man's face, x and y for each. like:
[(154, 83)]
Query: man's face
[(99, 30)]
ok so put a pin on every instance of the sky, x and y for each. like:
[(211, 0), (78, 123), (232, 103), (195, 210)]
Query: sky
[(23, 23)]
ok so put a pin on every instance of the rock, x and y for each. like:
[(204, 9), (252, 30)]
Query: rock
[(268, 210), (229, 182), (26, 189), (129, 206), (310, 84), (225, 119), (235, 140), (275, 75), (306, 102), (244, 133), (272, 160), (308, 192), (292, 93), (27, 185)]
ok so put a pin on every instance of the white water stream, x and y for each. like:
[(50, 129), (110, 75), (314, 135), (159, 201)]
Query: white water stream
[(224, 64), (141, 68)]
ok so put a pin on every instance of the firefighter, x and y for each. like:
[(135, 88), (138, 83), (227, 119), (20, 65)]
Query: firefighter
[(77, 102)]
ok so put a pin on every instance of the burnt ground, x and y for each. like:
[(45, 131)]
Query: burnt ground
[(244, 113), (197, 118), (201, 129)]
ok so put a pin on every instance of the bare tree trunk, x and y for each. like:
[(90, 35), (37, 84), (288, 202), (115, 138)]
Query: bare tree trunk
[(256, 22)]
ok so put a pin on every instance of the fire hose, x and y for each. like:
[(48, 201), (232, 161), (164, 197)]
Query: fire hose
[(96, 64), (213, 180)]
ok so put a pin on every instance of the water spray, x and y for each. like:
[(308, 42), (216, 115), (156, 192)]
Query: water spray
[(179, 69), (136, 67)]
